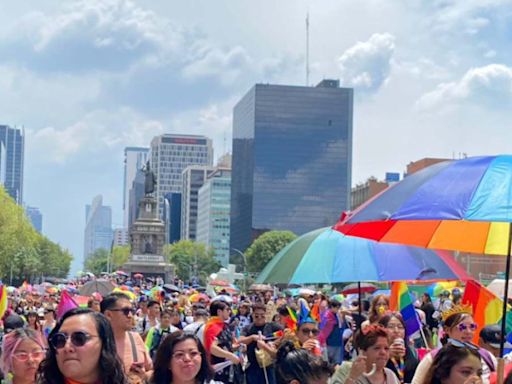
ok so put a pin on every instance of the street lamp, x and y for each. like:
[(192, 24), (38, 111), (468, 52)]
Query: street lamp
[(244, 260)]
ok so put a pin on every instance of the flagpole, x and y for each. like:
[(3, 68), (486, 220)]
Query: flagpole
[(501, 362)]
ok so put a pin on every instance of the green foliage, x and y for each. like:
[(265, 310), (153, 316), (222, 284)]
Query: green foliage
[(185, 253), (24, 253), (265, 247), (98, 261)]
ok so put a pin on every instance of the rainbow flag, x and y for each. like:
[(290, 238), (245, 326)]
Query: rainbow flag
[(291, 320), (487, 307), (3, 300), (315, 312), (66, 304), (400, 300)]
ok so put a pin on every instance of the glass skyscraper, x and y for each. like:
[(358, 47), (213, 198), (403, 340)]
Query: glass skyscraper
[(12, 149), (292, 159)]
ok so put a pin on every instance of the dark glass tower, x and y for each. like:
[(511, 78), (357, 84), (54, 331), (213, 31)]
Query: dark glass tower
[(292, 159), (12, 149)]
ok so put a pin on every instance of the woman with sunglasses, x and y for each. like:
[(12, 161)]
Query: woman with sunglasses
[(456, 363), (22, 352), (181, 359), (458, 325), (83, 350), (369, 367), (403, 358)]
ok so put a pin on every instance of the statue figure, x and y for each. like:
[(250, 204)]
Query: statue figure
[(150, 180)]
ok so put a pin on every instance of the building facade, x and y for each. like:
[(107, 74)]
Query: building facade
[(36, 218), (193, 178), (172, 217), (134, 159), (292, 159), (98, 227), (121, 237), (12, 152), (170, 155), (214, 202)]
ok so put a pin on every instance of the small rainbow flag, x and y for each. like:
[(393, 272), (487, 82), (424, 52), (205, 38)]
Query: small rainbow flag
[(3, 300), (315, 312), (275, 335), (400, 300), (291, 320)]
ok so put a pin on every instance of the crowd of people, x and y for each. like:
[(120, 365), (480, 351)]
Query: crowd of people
[(256, 338)]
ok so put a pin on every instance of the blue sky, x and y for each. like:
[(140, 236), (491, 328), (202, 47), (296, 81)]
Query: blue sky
[(87, 78)]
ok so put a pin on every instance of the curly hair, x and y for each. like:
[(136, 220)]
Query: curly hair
[(445, 359), (368, 336), (110, 366), (162, 374), (294, 363)]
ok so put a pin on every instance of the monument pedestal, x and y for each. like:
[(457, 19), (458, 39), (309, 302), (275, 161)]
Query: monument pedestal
[(147, 237)]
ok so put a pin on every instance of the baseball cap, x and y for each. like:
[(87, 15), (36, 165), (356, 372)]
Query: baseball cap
[(491, 334)]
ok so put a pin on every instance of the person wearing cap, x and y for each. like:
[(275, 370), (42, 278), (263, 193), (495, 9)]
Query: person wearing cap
[(200, 316), (490, 338)]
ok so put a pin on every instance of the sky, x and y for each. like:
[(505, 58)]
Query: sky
[(88, 78)]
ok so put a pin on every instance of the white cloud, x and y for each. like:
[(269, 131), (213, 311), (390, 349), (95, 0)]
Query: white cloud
[(366, 65), (490, 85)]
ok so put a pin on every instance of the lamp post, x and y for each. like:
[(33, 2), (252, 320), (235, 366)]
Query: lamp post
[(245, 263)]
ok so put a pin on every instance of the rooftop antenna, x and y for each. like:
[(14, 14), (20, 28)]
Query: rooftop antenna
[(307, 49)]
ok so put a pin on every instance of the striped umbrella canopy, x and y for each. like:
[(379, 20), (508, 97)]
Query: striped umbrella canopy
[(327, 256), (463, 205)]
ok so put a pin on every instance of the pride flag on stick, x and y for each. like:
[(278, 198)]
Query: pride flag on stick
[(66, 304), (3, 300), (400, 300)]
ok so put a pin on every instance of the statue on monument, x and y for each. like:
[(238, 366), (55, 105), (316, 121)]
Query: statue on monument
[(150, 179)]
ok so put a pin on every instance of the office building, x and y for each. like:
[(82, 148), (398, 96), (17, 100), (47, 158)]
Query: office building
[(193, 178), (134, 159), (98, 227), (292, 159), (172, 217), (135, 195), (121, 237), (35, 217), (171, 154), (214, 201), (12, 149)]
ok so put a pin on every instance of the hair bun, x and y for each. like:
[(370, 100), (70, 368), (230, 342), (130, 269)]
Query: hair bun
[(286, 347)]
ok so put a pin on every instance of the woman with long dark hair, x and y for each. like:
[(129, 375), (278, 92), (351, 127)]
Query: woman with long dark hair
[(181, 359), (456, 363), (403, 358), (82, 349)]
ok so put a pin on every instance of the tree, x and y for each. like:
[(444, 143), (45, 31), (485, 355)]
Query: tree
[(120, 255), (97, 261), (185, 253), (265, 247), (24, 253)]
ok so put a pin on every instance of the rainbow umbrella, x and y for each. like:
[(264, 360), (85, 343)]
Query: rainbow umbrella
[(436, 289), (327, 256), (463, 205)]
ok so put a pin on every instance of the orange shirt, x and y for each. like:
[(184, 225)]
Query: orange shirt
[(124, 350)]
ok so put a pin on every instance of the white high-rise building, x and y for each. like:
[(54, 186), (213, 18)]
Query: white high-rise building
[(171, 154), (193, 178), (121, 237), (213, 217), (134, 159), (98, 227)]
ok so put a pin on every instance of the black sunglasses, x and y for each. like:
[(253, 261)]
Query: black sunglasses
[(78, 339), (126, 311)]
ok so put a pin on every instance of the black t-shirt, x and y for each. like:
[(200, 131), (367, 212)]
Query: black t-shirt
[(266, 330)]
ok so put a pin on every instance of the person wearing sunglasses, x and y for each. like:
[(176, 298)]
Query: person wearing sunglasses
[(83, 350), (456, 363), (259, 334), (181, 359), (458, 324), (22, 352), (131, 349), (307, 335)]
